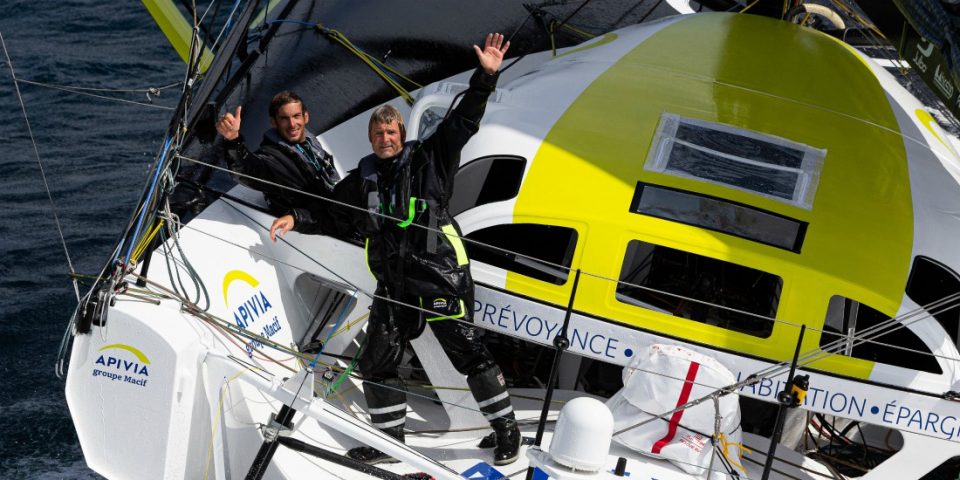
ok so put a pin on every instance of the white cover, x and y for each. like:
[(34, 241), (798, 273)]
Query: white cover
[(662, 378)]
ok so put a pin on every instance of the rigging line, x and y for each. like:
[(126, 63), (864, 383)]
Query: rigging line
[(539, 11), (69, 331), (285, 350), (194, 310), (294, 247), (174, 225), (161, 165), (71, 90), (565, 20), (365, 212), (893, 323), (218, 419), (53, 205), (752, 379), (177, 285), (228, 327), (835, 347), (375, 64), (882, 328), (492, 247), (335, 327), (227, 25), (94, 89), (769, 372), (350, 284), (934, 304)]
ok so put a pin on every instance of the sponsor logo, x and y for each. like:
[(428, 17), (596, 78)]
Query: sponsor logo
[(122, 363), (252, 308), (921, 56), (942, 82), (440, 304)]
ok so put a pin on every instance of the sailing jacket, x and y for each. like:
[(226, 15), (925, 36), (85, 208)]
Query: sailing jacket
[(412, 242), (305, 166)]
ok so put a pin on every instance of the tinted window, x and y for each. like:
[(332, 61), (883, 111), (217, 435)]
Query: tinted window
[(930, 283), (699, 288), (521, 245), (847, 319), (719, 215), (486, 180)]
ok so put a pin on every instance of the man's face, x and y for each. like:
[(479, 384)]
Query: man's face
[(290, 121), (385, 139)]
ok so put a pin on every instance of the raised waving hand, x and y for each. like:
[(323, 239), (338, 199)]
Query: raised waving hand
[(492, 54)]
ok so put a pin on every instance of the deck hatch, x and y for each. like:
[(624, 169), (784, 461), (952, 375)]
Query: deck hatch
[(719, 215), (750, 161)]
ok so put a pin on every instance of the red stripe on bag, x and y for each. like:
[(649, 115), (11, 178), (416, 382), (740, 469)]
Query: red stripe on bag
[(675, 418)]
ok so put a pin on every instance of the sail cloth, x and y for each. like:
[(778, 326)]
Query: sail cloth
[(659, 380)]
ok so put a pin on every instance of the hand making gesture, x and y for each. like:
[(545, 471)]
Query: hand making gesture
[(229, 125), (492, 54)]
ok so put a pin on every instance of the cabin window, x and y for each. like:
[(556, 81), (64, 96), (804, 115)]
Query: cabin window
[(898, 346), (543, 252), (930, 283), (699, 288), (486, 180), (719, 215), (754, 162)]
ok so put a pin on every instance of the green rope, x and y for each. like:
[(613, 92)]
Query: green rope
[(376, 65)]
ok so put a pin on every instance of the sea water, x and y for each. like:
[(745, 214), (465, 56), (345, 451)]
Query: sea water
[(96, 155)]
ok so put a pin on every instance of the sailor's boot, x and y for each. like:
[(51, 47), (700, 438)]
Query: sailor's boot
[(387, 404), (508, 440), (490, 391), (372, 456)]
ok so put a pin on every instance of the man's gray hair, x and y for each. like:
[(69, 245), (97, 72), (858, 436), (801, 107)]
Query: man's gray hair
[(387, 114)]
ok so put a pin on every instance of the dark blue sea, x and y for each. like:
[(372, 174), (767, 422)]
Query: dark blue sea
[(96, 154)]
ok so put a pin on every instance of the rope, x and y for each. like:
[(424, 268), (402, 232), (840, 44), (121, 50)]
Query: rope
[(376, 65), (43, 175), (382, 70), (891, 321), (160, 167), (113, 99), (218, 420), (804, 360), (748, 6), (138, 252), (227, 326), (150, 90), (348, 371)]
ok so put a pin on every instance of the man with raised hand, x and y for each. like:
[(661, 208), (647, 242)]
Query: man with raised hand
[(289, 155), (415, 252)]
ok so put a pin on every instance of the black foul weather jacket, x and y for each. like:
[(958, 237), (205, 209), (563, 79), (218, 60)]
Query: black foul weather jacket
[(412, 242), (305, 166)]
